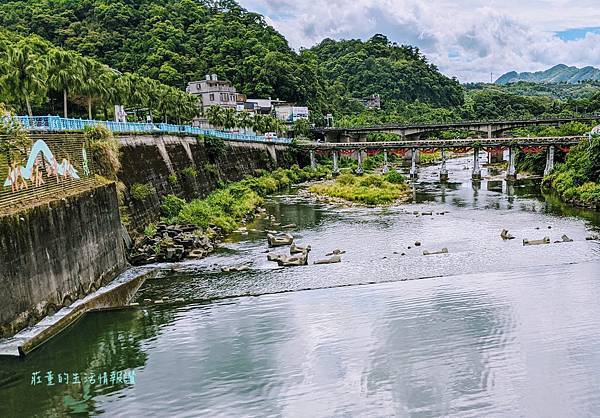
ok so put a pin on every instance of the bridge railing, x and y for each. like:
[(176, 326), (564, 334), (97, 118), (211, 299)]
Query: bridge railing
[(59, 124)]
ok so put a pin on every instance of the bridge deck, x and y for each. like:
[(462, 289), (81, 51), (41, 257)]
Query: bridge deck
[(457, 124), (445, 143)]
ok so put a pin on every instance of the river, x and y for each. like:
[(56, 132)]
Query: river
[(493, 328)]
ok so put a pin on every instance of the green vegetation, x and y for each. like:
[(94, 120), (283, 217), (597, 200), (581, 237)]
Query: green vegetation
[(104, 151), (577, 180), (369, 189), (140, 192), (37, 76), (189, 173), (150, 230), (398, 73), (225, 208)]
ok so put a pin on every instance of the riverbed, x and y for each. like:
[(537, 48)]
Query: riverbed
[(492, 328)]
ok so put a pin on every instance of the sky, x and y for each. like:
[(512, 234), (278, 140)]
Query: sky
[(468, 39)]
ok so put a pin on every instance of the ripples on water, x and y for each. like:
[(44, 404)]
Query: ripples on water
[(490, 329)]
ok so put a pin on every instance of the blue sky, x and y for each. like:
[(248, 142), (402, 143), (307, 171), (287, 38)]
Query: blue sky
[(468, 39)]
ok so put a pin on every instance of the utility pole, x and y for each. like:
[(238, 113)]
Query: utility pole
[(491, 78)]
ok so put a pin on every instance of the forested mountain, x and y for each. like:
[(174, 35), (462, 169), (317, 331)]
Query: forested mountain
[(172, 41), (398, 73), (558, 74)]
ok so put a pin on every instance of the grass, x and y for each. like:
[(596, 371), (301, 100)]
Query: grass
[(140, 192), (369, 189), (226, 207)]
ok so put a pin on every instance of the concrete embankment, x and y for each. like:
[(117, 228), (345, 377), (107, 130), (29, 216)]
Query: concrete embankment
[(56, 253)]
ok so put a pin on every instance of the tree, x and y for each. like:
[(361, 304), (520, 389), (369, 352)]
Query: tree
[(65, 73), (229, 118), (215, 116), (25, 74), (94, 82), (245, 120)]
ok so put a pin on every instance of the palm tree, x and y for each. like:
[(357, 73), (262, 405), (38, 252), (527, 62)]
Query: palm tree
[(229, 118), (215, 116), (96, 79), (64, 73), (25, 74), (245, 120)]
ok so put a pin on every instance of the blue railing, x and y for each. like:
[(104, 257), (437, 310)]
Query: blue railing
[(58, 124)]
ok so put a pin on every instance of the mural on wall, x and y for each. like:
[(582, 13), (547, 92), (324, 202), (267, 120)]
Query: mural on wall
[(33, 171)]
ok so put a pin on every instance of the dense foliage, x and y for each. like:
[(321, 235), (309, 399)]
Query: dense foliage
[(578, 179), (398, 73)]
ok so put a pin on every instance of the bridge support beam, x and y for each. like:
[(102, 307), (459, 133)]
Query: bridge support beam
[(359, 169), (549, 160), (443, 169), (511, 172), (386, 169), (476, 169), (413, 165), (336, 169), (313, 160)]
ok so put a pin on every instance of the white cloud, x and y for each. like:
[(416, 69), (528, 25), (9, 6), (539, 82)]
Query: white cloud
[(464, 38)]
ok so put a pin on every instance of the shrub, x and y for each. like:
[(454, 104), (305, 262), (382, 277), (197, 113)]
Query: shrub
[(189, 173), (210, 169), (173, 179), (395, 177), (150, 230), (369, 189), (140, 192), (104, 151), (172, 205)]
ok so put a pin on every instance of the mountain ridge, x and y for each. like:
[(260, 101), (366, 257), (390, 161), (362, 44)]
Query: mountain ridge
[(560, 73)]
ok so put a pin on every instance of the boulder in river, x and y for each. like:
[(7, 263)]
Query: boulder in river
[(593, 238), (275, 257), (296, 249), (280, 240), (442, 251), (545, 240), (506, 235), (337, 251), (294, 260), (336, 258), (565, 238)]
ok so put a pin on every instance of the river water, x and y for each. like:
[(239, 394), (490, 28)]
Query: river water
[(493, 328)]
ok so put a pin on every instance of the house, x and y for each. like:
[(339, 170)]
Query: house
[(371, 102), (262, 106), (214, 92)]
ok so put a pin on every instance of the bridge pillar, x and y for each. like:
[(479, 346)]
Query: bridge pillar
[(476, 169), (313, 160), (336, 169), (386, 169), (511, 173), (359, 169), (495, 155), (443, 169), (413, 166), (549, 160)]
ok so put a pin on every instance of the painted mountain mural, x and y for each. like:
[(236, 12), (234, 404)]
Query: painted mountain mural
[(558, 74)]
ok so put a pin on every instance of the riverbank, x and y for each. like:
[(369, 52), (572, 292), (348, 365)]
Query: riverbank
[(191, 229), (577, 180)]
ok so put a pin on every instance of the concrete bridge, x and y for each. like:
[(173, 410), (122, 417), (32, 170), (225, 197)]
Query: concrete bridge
[(487, 129), (495, 148)]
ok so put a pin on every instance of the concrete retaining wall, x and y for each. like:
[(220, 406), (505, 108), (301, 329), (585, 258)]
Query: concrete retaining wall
[(53, 254), (189, 168)]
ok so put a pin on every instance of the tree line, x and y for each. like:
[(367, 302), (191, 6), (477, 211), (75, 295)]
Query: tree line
[(33, 73)]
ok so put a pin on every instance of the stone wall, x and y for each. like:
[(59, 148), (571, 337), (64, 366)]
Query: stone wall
[(53, 254), (189, 168)]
